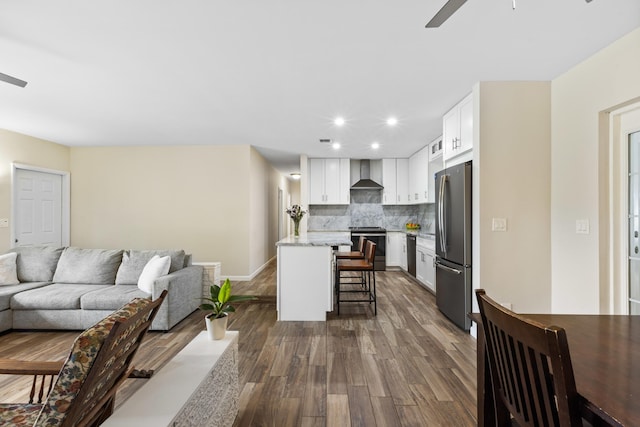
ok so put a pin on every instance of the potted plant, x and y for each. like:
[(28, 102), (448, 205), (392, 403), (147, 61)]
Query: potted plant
[(219, 306)]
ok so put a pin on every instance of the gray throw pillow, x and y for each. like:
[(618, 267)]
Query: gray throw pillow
[(133, 262), (37, 263), (90, 266)]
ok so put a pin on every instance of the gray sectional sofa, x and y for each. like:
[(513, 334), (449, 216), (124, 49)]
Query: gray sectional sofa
[(73, 288)]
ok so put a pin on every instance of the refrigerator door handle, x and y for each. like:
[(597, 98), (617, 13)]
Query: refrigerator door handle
[(449, 269), (441, 216)]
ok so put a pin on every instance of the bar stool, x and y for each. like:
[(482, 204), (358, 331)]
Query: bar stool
[(364, 266), (359, 254)]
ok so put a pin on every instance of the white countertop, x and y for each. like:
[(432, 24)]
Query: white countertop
[(317, 239)]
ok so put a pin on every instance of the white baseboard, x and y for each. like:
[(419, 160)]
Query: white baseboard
[(242, 278)]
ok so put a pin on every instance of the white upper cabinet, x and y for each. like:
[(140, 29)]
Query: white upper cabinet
[(457, 128), (329, 181), (435, 149), (435, 166), (419, 176), (402, 182), (395, 180), (389, 182)]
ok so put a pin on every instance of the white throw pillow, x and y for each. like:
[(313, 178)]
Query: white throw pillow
[(156, 267), (8, 269)]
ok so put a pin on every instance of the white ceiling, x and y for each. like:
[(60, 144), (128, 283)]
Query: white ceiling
[(274, 73)]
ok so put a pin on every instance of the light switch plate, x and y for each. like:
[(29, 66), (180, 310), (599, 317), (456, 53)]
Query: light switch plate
[(582, 226), (4, 222), (499, 224)]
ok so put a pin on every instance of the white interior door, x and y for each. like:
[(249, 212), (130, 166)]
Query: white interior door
[(38, 208)]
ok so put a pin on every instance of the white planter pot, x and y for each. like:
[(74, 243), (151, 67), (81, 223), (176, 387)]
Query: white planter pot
[(216, 328)]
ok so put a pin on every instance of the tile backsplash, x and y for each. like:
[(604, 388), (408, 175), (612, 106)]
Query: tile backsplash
[(366, 210)]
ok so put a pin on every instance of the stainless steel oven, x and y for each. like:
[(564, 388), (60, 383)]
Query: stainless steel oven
[(378, 235)]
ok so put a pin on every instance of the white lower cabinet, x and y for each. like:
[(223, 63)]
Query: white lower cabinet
[(430, 278), (394, 250), (425, 266), (403, 254), (421, 264)]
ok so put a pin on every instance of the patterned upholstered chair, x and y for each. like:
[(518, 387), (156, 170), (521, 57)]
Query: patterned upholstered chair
[(100, 360)]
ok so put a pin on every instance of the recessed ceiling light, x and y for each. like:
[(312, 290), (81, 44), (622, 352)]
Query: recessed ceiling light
[(295, 175), (375, 145), (335, 145), (392, 121), (339, 121)]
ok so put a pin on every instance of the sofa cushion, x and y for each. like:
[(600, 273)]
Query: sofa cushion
[(37, 263), (133, 263), (111, 297), (156, 267), (88, 266), (8, 269), (6, 292), (58, 296)]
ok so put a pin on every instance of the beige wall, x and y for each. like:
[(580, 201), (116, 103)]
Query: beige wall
[(18, 148), (264, 185), (191, 197), (217, 202), (512, 180), (579, 172)]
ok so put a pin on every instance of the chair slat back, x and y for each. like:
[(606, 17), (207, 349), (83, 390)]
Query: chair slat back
[(100, 360), (361, 243), (370, 254), (530, 367)]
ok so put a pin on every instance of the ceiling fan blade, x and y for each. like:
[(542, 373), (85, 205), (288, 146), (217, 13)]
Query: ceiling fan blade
[(445, 12), (8, 79)]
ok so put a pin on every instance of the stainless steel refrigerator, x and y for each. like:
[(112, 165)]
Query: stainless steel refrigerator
[(453, 243)]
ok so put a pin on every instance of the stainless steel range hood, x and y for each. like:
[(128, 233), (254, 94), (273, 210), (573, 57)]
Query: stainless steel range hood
[(365, 182)]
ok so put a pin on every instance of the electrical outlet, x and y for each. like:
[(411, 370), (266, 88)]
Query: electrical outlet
[(582, 226), (4, 222), (499, 224)]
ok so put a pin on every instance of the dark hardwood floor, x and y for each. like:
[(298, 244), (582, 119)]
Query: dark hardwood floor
[(407, 366)]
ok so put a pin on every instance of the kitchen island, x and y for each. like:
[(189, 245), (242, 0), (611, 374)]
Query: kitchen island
[(305, 275)]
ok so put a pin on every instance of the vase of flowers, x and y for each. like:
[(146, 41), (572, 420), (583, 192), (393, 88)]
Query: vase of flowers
[(296, 213)]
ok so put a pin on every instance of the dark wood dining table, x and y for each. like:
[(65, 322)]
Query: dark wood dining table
[(605, 353)]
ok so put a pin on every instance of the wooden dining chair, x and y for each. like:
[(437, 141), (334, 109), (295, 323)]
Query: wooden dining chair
[(366, 286), (99, 362), (530, 368)]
